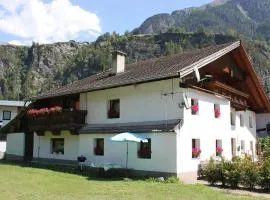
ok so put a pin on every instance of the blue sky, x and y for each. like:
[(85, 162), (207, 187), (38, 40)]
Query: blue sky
[(46, 21), (121, 15)]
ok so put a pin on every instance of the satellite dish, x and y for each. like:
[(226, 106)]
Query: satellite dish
[(197, 74)]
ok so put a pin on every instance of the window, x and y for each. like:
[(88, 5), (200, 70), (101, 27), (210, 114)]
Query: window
[(233, 118), (144, 149), (6, 115), (242, 146), (250, 122), (241, 120), (99, 147), (233, 146), (217, 110), (114, 108), (219, 149), (57, 145), (196, 149), (194, 106)]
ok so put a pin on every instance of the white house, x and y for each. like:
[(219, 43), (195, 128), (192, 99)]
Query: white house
[(184, 104), (8, 111)]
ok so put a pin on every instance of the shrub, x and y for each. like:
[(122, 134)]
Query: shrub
[(264, 178), (249, 173), (215, 171), (233, 172), (264, 146)]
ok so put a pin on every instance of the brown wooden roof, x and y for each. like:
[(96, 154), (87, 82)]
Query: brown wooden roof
[(144, 71)]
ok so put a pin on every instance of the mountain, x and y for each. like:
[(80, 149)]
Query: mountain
[(26, 71), (248, 17)]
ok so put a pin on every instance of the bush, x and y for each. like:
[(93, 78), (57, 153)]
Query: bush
[(238, 171), (249, 173), (233, 172), (264, 146), (264, 178), (214, 171)]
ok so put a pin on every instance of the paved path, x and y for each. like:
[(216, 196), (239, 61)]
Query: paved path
[(229, 191)]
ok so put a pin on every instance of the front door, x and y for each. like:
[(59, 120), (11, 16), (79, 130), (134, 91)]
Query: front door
[(29, 145)]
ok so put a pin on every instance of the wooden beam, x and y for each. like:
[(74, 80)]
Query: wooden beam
[(228, 88)]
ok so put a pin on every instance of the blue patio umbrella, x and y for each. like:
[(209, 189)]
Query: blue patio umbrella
[(127, 137)]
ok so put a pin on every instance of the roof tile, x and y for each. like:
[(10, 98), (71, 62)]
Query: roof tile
[(152, 69)]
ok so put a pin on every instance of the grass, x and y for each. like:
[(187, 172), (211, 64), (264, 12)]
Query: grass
[(25, 183)]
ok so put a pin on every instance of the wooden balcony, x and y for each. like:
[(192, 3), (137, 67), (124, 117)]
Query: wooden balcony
[(55, 122)]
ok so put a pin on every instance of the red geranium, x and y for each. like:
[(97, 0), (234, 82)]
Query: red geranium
[(44, 111), (195, 108), (196, 152), (219, 150), (217, 113), (144, 153)]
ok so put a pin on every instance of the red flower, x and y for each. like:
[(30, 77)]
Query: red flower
[(195, 108), (217, 112), (196, 152), (144, 152), (219, 150), (44, 111)]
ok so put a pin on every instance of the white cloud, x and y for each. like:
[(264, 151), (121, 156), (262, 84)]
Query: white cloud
[(20, 42), (58, 20)]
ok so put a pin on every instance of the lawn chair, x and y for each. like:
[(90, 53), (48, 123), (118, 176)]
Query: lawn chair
[(81, 160)]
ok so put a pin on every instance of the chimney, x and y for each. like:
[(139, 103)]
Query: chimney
[(118, 62)]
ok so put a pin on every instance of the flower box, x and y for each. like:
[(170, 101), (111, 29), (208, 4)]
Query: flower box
[(219, 151), (44, 111), (196, 152), (144, 153), (217, 113), (195, 109)]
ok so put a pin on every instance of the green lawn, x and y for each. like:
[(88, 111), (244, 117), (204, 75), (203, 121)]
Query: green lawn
[(26, 183)]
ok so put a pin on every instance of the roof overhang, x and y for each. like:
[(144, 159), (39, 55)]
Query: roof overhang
[(207, 60), (134, 127), (238, 48)]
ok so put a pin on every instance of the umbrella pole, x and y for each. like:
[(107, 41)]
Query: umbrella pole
[(127, 156)]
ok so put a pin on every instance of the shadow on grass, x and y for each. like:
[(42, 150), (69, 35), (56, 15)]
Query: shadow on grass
[(89, 173)]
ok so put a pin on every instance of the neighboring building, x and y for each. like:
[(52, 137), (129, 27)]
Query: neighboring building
[(8, 111), (205, 100), (263, 124)]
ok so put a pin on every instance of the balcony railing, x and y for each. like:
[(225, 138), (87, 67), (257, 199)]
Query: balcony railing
[(55, 122)]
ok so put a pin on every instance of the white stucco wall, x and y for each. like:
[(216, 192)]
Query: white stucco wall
[(15, 144), (42, 146), (163, 157), (208, 129), (245, 133), (142, 102), (3, 145)]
